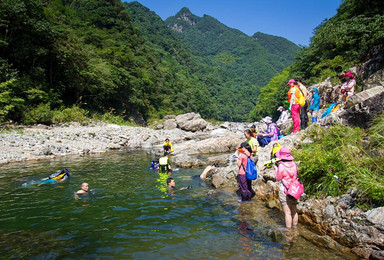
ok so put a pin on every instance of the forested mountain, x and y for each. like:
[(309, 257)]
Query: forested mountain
[(255, 59), (353, 36), (63, 58)]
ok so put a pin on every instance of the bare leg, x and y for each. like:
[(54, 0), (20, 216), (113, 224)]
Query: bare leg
[(294, 215), (288, 216)]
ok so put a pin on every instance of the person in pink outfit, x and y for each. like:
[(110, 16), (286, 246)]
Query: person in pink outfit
[(293, 99), (348, 87), (286, 172)]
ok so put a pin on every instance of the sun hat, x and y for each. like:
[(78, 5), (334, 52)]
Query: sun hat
[(267, 119), (291, 81), (284, 154), (280, 107), (348, 74)]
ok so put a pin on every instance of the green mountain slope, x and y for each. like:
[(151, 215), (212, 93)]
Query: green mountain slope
[(255, 58)]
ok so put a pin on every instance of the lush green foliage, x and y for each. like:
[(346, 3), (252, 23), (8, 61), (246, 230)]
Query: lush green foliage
[(106, 56), (342, 158), (338, 43)]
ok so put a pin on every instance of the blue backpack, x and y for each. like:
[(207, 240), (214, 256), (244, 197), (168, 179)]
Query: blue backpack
[(251, 171)]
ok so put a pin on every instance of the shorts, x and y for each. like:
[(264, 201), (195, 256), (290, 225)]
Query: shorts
[(286, 199)]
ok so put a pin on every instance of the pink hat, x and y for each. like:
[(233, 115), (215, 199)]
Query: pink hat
[(284, 154), (291, 81), (348, 74)]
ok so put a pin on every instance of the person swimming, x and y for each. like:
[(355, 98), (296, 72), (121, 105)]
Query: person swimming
[(84, 189), (57, 176)]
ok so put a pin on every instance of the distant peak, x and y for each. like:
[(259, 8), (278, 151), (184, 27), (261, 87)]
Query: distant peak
[(186, 15), (184, 11)]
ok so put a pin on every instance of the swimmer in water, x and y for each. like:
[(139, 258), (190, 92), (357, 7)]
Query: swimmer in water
[(171, 184), (208, 170), (84, 189)]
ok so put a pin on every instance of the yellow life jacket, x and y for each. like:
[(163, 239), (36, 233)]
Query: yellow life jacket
[(168, 144), (163, 164)]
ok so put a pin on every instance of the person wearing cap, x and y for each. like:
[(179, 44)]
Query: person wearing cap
[(245, 185), (304, 109), (284, 116), (348, 87), (286, 172), (271, 134), (294, 105), (314, 104)]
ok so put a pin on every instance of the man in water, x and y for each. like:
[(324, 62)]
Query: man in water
[(208, 170), (84, 189), (171, 184)]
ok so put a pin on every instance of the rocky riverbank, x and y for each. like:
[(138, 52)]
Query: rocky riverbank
[(340, 224)]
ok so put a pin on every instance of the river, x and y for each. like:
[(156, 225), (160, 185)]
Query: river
[(131, 215)]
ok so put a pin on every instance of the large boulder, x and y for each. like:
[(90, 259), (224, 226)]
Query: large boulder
[(360, 109), (191, 122), (170, 124)]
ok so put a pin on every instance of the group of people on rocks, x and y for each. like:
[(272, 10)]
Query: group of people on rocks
[(299, 111), (285, 168)]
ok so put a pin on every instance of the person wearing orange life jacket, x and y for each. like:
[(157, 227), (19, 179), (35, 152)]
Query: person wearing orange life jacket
[(293, 99)]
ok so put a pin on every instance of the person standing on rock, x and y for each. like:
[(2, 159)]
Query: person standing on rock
[(304, 109), (284, 116), (252, 141), (245, 185), (286, 172), (314, 104), (294, 105)]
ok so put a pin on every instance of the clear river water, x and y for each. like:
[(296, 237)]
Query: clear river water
[(131, 215)]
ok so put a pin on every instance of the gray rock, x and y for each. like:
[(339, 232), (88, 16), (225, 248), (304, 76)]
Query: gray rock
[(376, 216), (170, 124), (329, 212)]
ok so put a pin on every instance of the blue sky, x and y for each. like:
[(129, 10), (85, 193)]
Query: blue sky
[(294, 20)]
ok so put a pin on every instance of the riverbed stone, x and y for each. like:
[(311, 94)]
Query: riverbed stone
[(376, 216)]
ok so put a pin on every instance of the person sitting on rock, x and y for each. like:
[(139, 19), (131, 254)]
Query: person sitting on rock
[(284, 116), (348, 87), (271, 134), (167, 146), (253, 131)]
